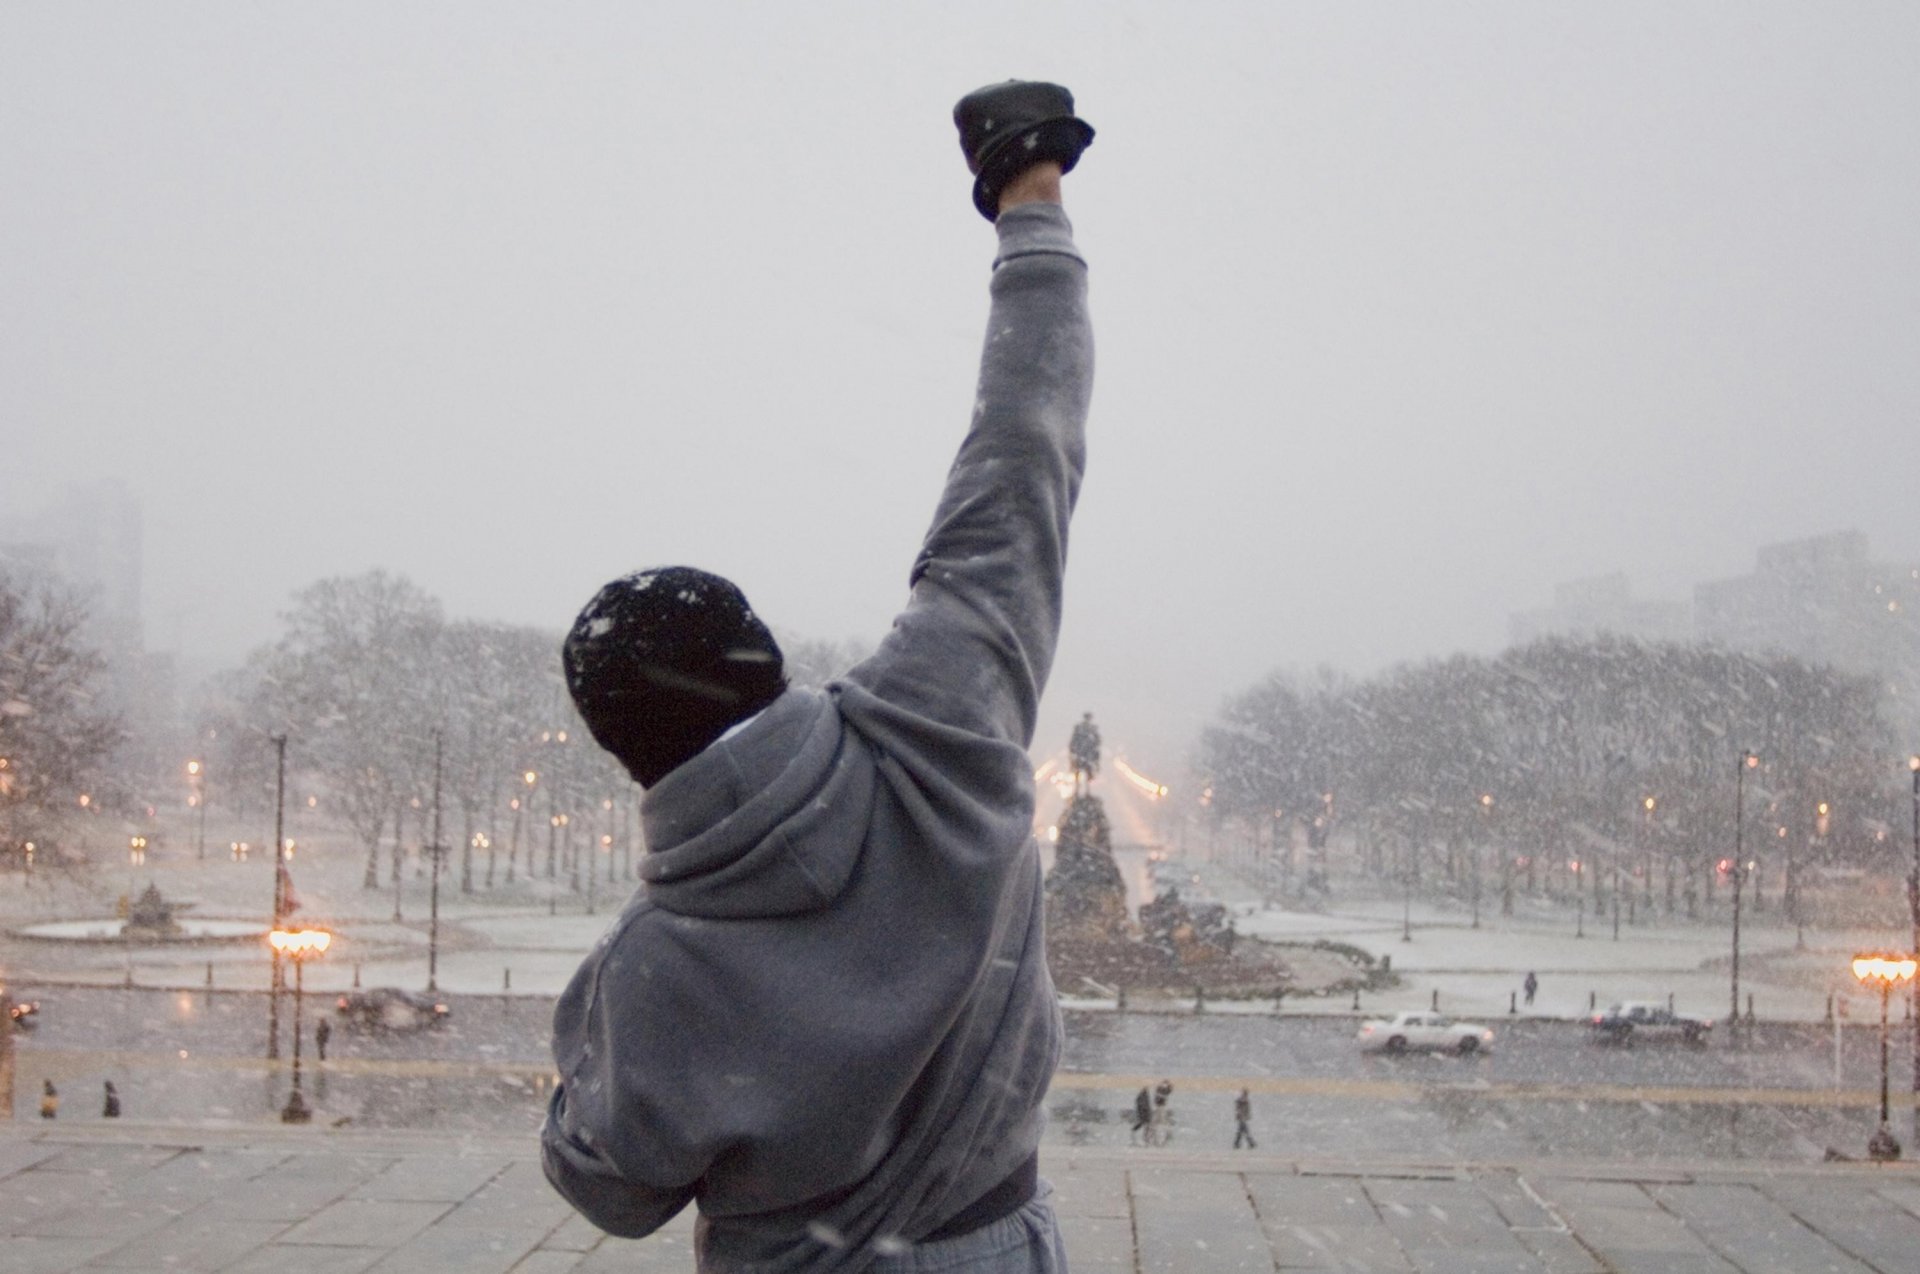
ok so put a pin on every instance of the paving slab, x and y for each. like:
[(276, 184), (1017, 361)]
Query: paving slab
[(117, 1162), (1559, 1252), (460, 1250), (432, 1178), (1099, 1245), (1753, 1231), (275, 1197), (278, 1259), (26, 1254), (365, 1223), (657, 1254), (191, 1243), (18, 1156), (575, 1234), (545, 1261), (252, 1201), (1196, 1220)]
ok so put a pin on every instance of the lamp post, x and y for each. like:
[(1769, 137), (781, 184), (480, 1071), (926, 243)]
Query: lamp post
[(1884, 972), (1406, 893), (1913, 905), (1614, 855), (278, 982), (1579, 870), (439, 855), (1646, 860), (197, 775), (300, 946), (1737, 872), (1486, 817)]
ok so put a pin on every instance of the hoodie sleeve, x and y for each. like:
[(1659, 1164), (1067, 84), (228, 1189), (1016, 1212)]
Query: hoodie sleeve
[(973, 648), (595, 1187), (584, 1120)]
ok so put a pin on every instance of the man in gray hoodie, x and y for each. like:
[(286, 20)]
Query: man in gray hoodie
[(826, 1019)]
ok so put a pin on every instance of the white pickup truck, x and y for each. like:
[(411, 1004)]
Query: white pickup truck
[(1436, 1031)]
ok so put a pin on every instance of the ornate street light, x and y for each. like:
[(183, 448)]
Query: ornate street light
[(300, 946), (439, 852), (197, 777), (1913, 905), (1737, 872), (1884, 972)]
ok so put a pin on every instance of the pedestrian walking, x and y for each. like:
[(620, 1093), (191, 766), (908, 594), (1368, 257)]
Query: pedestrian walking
[(1242, 1121), (1142, 1115), (49, 1100), (111, 1108), (755, 1038), (322, 1032), (1531, 985), (1160, 1125)]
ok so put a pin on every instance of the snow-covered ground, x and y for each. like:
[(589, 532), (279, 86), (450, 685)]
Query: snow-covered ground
[(533, 934), (1480, 971)]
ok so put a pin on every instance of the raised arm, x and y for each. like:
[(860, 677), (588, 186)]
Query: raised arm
[(973, 648)]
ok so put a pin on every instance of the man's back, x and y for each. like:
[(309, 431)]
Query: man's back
[(828, 1018)]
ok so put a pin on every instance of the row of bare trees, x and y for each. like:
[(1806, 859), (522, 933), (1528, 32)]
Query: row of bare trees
[(57, 735), (1606, 749), (366, 672), (369, 669)]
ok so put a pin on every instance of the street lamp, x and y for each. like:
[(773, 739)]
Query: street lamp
[(1737, 871), (1406, 892), (1578, 869), (439, 853), (1884, 972), (1913, 905), (279, 978), (197, 774), (1486, 814), (300, 946), (1646, 862)]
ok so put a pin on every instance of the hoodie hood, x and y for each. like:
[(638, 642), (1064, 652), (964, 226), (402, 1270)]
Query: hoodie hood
[(768, 822)]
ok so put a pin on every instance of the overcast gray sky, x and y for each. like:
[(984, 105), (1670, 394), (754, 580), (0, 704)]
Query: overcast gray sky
[(1405, 312)]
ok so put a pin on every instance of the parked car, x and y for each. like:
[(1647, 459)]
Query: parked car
[(1420, 1030), (1630, 1020), (388, 1008), (24, 1014)]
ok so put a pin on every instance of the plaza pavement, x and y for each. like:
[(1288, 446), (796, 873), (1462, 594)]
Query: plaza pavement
[(155, 1197)]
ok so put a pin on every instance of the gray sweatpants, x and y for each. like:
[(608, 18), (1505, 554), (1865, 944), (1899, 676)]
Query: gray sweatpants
[(1023, 1242)]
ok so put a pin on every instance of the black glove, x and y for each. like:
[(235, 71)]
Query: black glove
[(1007, 128)]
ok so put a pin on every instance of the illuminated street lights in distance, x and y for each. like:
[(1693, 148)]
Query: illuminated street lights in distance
[(301, 944)]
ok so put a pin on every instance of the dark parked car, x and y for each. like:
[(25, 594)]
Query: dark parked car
[(388, 1008), (1631, 1020)]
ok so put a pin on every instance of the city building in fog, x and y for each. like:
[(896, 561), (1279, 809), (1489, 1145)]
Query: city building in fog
[(1602, 604), (1824, 599), (89, 540)]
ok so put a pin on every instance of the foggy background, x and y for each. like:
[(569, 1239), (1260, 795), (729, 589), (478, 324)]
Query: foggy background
[(1405, 314)]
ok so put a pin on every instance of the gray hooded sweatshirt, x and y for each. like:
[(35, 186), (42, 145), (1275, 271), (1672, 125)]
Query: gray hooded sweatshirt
[(827, 1016)]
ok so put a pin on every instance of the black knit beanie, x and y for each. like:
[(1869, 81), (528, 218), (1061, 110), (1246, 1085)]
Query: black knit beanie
[(662, 662)]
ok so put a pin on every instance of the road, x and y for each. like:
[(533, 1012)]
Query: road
[(1544, 1090)]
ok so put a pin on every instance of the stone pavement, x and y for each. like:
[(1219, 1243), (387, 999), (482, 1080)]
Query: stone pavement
[(153, 1197)]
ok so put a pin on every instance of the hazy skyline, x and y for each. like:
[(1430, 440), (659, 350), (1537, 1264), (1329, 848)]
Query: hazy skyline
[(1405, 314)]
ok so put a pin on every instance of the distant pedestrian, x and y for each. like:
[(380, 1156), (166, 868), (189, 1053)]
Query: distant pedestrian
[(111, 1110), (322, 1032), (1160, 1126), (49, 1100), (1531, 985), (1242, 1119), (1142, 1115)]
